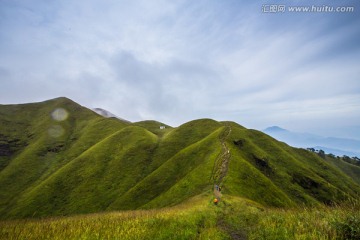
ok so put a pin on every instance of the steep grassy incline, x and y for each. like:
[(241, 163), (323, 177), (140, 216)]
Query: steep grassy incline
[(184, 175), (271, 172), (92, 181), (351, 170), (43, 137)]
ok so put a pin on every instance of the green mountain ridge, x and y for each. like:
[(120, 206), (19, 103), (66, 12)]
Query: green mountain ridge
[(59, 158)]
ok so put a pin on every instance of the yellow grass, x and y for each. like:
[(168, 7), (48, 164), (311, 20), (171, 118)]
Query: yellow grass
[(197, 218)]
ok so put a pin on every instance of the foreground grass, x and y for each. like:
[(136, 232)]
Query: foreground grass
[(233, 218), (338, 222), (305, 224), (195, 220)]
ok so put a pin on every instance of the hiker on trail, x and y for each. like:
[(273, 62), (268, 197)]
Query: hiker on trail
[(217, 188)]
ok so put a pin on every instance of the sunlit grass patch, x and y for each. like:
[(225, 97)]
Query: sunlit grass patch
[(340, 222), (186, 221)]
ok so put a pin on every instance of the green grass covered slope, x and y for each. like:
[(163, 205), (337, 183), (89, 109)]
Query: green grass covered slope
[(59, 158)]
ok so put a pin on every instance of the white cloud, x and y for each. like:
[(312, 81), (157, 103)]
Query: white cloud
[(180, 60)]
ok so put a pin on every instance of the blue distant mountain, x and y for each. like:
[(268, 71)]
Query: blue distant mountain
[(336, 146), (275, 129)]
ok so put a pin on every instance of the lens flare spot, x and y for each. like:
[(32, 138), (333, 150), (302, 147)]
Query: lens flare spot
[(56, 131), (59, 114)]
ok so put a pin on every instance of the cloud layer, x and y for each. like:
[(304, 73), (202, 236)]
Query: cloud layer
[(175, 61)]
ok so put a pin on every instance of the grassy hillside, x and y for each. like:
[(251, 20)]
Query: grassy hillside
[(295, 176), (184, 174), (59, 158), (351, 170), (196, 218), (45, 144)]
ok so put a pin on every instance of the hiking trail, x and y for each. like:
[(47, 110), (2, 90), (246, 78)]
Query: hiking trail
[(222, 162)]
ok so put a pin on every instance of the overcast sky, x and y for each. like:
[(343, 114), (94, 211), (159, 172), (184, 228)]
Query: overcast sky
[(175, 61)]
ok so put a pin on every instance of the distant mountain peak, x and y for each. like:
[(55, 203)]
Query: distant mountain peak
[(336, 146), (275, 129), (107, 114), (104, 113)]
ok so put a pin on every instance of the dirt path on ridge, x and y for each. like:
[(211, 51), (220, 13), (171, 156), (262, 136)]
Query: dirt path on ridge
[(225, 157), (221, 164), (220, 169)]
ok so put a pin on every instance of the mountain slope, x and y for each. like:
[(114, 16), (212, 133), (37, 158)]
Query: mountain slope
[(58, 158), (91, 181), (351, 170), (178, 178), (41, 153), (302, 175)]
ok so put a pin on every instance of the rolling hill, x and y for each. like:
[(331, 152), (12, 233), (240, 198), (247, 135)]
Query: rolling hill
[(59, 158)]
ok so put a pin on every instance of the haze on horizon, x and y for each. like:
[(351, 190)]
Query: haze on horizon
[(175, 61)]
